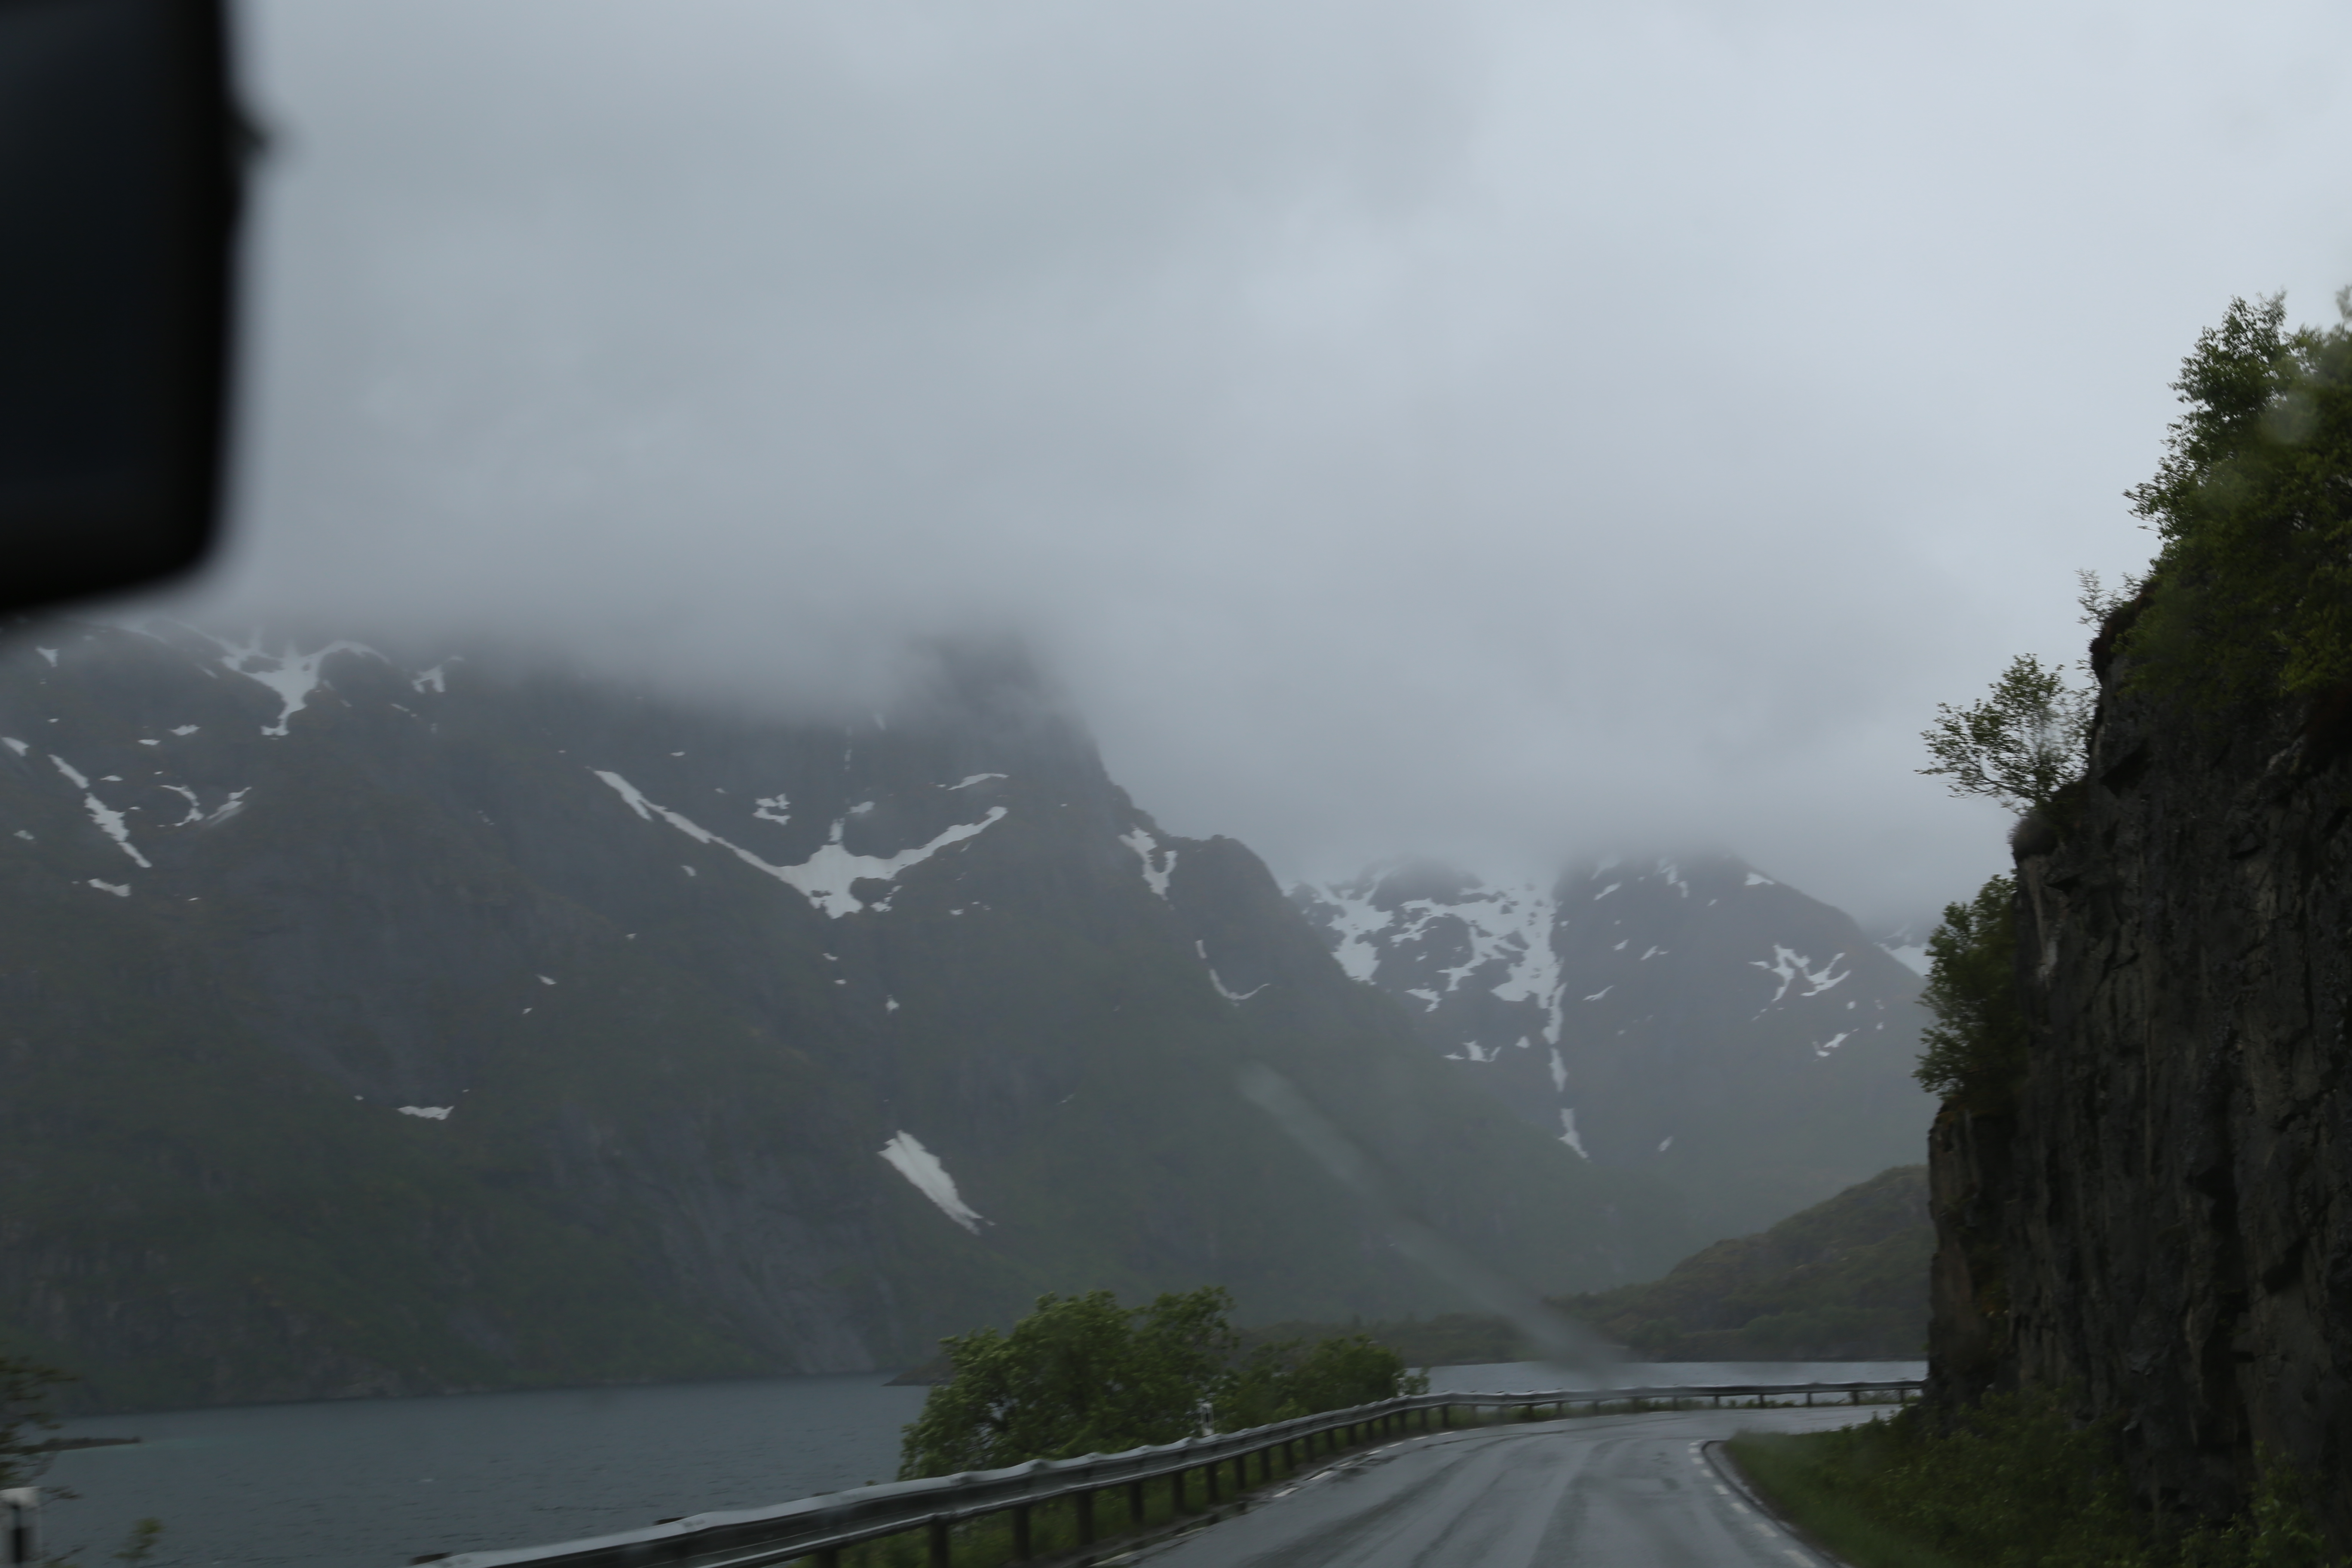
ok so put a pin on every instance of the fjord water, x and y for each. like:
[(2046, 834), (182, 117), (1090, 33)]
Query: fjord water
[(373, 1482)]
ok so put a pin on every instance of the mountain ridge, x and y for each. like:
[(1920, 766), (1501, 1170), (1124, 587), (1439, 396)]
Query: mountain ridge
[(377, 1028), (1689, 1017)]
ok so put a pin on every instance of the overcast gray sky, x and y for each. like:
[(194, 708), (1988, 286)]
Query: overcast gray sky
[(1494, 429)]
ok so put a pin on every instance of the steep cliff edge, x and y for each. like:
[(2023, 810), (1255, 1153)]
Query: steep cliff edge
[(2161, 1221)]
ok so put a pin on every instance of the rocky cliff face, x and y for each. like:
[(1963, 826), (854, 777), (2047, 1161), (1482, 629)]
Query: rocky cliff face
[(371, 1026), (2164, 1222)]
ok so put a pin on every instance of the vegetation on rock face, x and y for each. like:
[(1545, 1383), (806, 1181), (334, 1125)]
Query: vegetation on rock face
[(2014, 1482), (1975, 1049), (2251, 593), (2020, 745), (1846, 1280), (1083, 1374)]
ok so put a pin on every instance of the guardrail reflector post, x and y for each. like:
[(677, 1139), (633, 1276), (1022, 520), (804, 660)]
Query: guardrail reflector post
[(24, 1505)]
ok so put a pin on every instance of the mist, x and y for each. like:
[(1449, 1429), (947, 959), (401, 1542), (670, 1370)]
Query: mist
[(1491, 430)]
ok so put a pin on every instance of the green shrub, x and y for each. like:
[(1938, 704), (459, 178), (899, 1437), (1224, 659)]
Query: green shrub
[(1080, 1374), (1083, 1374), (1279, 1382)]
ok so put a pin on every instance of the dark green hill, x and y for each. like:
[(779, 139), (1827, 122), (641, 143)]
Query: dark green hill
[(1845, 1280)]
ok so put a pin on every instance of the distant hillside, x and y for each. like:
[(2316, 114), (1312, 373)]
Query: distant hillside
[(1694, 1020), (1845, 1280)]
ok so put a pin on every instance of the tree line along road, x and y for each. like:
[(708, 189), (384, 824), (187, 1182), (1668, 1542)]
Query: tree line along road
[(1610, 1492)]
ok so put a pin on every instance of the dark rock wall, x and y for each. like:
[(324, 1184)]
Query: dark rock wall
[(2165, 1223)]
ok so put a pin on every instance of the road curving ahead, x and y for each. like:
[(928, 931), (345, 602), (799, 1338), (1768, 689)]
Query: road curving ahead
[(1610, 1491)]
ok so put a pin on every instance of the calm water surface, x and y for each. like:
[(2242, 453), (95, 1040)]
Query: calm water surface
[(372, 1483)]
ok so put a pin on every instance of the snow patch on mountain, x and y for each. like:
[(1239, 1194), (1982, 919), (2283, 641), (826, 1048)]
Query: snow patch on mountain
[(109, 821), (906, 1155), (1146, 847), (826, 878), (292, 675), (1792, 966), (1567, 1134), (1230, 995)]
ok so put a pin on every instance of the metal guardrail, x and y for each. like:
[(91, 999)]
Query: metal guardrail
[(819, 1527)]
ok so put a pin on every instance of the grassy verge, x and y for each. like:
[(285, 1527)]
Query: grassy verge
[(2017, 1484)]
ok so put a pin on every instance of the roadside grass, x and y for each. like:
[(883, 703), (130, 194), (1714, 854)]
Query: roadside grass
[(2015, 1483)]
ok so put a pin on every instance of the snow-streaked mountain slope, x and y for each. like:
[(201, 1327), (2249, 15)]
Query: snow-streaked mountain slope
[(1695, 1019), (375, 1027)]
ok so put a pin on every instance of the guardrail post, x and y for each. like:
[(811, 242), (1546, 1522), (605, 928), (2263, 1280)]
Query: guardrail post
[(1809, 1399), (1209, 1482), (938, 1533), (1021, 1532), (829, 1557), (1083, 1505), (24, 1505), (1176, 1494), (1135, 1505)]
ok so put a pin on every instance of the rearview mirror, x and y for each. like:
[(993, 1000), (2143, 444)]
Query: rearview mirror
[(120, 178)]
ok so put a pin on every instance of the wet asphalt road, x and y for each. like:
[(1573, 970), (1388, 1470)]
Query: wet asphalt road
[(1610, 1492)]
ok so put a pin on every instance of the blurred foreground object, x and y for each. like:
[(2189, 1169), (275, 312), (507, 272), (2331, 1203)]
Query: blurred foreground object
[(120, 179)]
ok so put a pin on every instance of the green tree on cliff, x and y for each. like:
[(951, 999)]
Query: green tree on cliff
[(1975, 1049), (2020, 744), (2250, 595)]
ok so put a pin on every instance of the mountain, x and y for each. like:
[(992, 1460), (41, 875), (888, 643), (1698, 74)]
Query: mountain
[(1845, 1280), (1694, 1020), (382, 1026)]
